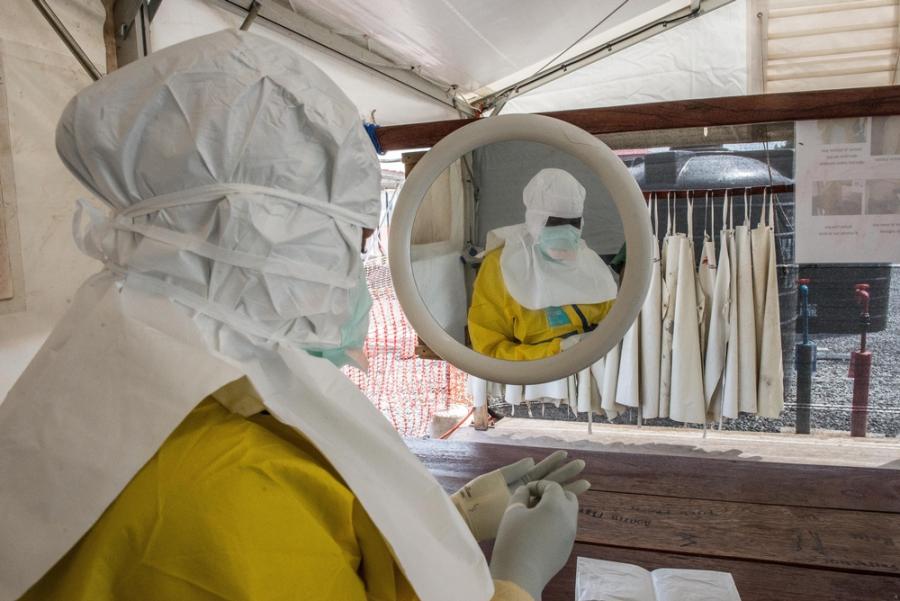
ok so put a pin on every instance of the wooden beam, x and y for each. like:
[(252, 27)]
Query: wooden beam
[(798, 532), (700, 136), (714, 479), (6, 281), (109, 35), (12, 276), (812, 537), (730, 110)]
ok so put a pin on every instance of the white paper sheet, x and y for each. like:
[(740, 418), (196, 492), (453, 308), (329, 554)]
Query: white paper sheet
[(848, 190), (694, 585), (599, 580)]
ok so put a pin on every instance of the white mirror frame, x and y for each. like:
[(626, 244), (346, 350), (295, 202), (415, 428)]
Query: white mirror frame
[(629, 202)]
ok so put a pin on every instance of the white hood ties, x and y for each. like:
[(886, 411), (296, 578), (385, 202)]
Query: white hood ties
[(102, 225), (100, 238)]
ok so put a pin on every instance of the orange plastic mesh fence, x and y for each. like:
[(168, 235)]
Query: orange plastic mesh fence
[(406, 389)]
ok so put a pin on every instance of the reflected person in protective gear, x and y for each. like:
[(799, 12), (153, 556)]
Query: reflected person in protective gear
[(544, 288), (186, 432)]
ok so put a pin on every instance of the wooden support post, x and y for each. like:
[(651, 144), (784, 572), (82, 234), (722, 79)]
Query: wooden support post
[(482, 419), (109, 36)]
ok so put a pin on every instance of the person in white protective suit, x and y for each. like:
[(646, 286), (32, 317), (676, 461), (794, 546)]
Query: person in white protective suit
[(543, 287), (539, 287), (185, 432)]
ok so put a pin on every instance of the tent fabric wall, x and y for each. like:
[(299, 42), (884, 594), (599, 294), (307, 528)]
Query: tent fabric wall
[(441, 282), (502, 170), (39, 76), (436, 245), (704, 58), (440, 216), (180, 20)]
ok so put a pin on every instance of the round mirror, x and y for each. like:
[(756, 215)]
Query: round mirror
[(506, 247)]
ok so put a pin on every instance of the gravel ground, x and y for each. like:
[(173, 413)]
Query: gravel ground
[(832, 389)]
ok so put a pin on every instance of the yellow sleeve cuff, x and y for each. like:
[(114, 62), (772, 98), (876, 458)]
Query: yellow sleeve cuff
[(508, 591)]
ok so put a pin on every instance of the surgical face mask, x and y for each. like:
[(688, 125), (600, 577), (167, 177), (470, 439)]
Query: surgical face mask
[(559, 242), (354, 330)]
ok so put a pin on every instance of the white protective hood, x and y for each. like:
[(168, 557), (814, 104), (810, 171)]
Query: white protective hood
[(239, 178), (534, 280)]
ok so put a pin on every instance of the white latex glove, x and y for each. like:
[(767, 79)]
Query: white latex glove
[(483, 500), (569, 341), (536, 536)]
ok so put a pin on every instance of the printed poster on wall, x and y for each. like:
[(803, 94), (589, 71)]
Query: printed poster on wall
[(848, 190)]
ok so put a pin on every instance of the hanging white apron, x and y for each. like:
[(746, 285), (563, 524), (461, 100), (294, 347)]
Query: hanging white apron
[(745, 313), (585, 392), (719, 324), (730, 384), (628, 384), (554, 392), (119, 373), (512, 394), (670, 250), (597, 371), (706, 273), (557, 392), (687, 403), (609, 382), (478, 389), (770, 386), (651, 331), (759, 243), (572, 400)]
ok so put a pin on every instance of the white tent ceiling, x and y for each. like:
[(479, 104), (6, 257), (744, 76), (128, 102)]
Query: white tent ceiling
[(392, 55), (179, 20), (703, 58), (481, 46), (410, 60)]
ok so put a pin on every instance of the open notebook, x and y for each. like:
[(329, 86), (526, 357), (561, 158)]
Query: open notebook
[(599, 580)]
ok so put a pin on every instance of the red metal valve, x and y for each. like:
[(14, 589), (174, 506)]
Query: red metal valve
[(862, 296)]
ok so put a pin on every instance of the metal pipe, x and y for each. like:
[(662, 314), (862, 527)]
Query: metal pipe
[(251, 15), (805, 362), (67, 39), (751, 190), (862, 297), (861, 368), (859, 412), (805, 365)]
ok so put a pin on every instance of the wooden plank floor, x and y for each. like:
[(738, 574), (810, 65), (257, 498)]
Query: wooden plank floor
[(784, 531)]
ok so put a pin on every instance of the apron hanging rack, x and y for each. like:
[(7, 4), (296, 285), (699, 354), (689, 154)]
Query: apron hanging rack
[(681, 194)]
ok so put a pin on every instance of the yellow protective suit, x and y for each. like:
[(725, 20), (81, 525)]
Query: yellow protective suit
[(233, 508), (502, 328)]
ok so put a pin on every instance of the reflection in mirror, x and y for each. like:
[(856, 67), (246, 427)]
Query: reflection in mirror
[(517, 251)]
